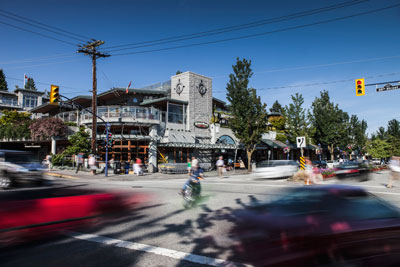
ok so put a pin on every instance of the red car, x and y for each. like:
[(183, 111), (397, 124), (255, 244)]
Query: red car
[(320, 225)]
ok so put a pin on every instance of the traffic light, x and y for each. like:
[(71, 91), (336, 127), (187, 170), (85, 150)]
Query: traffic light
[(360, 87), (54, 94), (110, 140)]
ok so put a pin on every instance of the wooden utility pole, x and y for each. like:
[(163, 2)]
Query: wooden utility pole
[(91, 49)]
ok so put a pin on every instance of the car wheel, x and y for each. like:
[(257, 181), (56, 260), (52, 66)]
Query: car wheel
[(5, 182)]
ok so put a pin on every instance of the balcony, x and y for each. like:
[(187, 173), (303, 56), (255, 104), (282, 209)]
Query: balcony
[(10, 103), (120, 114)]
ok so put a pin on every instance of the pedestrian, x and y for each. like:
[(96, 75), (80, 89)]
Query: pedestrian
[(137, 167), (308, 171), (195, 162), (230, 164), (189, 166), (394, 166), (79, 162), (241, 164), (220, 165), (92, 164), (48, 161)]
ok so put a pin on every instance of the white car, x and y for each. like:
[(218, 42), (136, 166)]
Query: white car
[(332, 164), (275, 169)]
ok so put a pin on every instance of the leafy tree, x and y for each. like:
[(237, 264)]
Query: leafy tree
[(3, 82), (393, 128), (13, 116), (178, 72), (249, 115), (276, 108), (80, 143), (381, 133), (296, 119), (15, 125), (357, 133), (330, 123), (277, 122), (378, 148), (30, 85), (45, 128)]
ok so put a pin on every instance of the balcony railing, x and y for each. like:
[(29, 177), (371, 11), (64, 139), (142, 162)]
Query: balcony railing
[(9, 102), (116, 114)]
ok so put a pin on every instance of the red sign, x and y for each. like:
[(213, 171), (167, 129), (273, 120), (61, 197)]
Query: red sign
[(202, 125)]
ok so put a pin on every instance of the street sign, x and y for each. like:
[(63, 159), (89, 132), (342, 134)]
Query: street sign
[(388, 87), (302, 163), (301, 141)]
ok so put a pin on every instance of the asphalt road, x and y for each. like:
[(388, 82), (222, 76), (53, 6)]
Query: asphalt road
[(161, 232)]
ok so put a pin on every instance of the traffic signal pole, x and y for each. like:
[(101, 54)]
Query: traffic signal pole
[(107, 139)]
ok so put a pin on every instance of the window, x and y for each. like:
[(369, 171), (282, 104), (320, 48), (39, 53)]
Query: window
[(175, 113), (225, 139), (8, 100), (30, 101)]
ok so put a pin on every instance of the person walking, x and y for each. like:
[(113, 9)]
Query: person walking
[(48, 161), (137, 167), (92, 164), (189, 166), (220, 165), (394, 166), (79, 162)]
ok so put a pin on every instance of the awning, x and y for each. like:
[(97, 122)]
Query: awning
[(273, 143), (198, 145)]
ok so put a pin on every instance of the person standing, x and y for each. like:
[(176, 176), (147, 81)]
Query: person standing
[(395, 168), (92, 164), (79, 162), (137, 168), (189, 166), (48, 161), (220, 165)]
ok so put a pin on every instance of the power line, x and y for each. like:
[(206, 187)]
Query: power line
[(36, 82), (43, 28), (46, 25), (43, 35), (259, 34), (37, 59), (44, 64), (234, 28)]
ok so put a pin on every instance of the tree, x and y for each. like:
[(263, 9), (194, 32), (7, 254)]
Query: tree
[(277, 108), (15, 125), (378, 148), (357, 133), (45, 128), (178, 72), (330, 123), (30, 85), (278, 123), (393, 128), (296, 119), (80, 143), (3, 82), (249, 115)]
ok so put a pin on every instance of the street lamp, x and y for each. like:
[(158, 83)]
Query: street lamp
[(319, 151)]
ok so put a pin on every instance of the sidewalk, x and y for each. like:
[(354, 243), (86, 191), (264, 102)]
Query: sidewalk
[(70, 174)]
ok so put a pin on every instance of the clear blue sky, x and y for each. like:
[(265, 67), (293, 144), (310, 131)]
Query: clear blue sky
[(370, 36)]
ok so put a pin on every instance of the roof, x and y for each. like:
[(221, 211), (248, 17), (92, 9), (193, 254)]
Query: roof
[(29, 91), (162, 99), (44, 108), (133, 91), (7, 93), (219, 101)]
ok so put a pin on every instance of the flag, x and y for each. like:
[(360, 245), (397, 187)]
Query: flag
[(128, 86)]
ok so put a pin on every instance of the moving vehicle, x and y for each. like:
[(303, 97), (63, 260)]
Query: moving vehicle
[(320, 163), (334, 225), (353, 170), (19, 168), (275, 169), (331, 164)]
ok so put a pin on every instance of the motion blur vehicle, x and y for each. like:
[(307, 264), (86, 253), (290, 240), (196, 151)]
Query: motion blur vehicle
[(353, 170), (320, 163), (332, 164), (191, 193), (333, 225), (19, 168), (276, 169)]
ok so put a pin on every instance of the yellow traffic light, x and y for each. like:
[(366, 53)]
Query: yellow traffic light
[(54, 94), (360, 87)]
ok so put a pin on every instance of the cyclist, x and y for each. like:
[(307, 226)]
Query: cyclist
[(195, 176)]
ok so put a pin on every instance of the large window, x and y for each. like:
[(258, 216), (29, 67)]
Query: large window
[(30, 101), (8, 100), (175, 113)]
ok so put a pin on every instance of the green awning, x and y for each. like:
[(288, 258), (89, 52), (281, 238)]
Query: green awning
[(273, 143)]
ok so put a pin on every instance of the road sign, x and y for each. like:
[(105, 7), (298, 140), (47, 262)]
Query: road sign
[(301, 141), (302, 163), (388, 87)]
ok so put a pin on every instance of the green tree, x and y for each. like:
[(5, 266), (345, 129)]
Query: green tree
[(178, 72), (13, 116), (393, 128), (80, 143), (296, 118), (15, 125), (30, 85), (357, 133), (3, 82), (381, 133), (276, 108), (249, 115), (278, 123), (378, 148), (330, 123)]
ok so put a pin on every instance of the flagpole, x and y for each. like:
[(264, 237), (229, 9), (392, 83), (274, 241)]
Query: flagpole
[(24, 80)]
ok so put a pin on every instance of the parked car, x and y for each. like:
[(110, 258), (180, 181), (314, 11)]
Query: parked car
[(333, 225), (352, 169), (19, 168), (320, 163), (276, 168), (332, 164)]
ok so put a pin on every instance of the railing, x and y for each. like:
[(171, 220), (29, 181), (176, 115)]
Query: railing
[(116, 114), (9, 102)]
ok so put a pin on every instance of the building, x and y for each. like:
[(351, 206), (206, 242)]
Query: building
[(165, 122), (21, 99)]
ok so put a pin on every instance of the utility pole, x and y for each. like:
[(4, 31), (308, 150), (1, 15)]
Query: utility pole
[(91, 49)]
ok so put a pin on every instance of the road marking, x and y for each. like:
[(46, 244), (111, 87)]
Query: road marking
[(155, 250), (387, 193), (61, 175)]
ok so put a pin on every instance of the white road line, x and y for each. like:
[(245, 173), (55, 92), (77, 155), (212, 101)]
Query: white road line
[(155, 250), (387, 193)]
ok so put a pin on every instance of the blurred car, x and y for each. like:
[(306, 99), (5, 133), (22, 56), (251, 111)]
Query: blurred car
[(319, 225), (376, 161), (352, 169), (331, 164), (275, 168), (320, 163), (19, 168)]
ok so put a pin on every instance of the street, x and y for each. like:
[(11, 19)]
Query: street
[(161, 232)]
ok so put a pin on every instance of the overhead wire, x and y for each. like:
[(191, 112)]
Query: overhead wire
[(233, 28), (37, 59), (46, 25), (259, 34)]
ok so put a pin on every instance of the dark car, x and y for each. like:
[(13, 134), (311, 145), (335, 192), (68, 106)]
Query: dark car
[(320, 163), (19, 168), (354, 170), (320, 225)]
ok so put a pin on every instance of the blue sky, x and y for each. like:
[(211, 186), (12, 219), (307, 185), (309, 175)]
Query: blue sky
[(275, 57)]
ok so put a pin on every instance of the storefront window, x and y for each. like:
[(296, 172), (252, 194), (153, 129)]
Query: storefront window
[(175, 113)]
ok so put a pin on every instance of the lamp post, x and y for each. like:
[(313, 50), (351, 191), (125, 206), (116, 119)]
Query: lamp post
[(319, 151)]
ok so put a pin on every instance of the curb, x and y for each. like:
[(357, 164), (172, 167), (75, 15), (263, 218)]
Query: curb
[(61, 175)]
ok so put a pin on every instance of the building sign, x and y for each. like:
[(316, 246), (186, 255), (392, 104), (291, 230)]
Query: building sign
[(202, 125), (202, 88), (179, 87)]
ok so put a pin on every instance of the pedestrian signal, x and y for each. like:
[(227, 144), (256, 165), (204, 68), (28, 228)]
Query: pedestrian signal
[(360, 87), (54, 94)]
